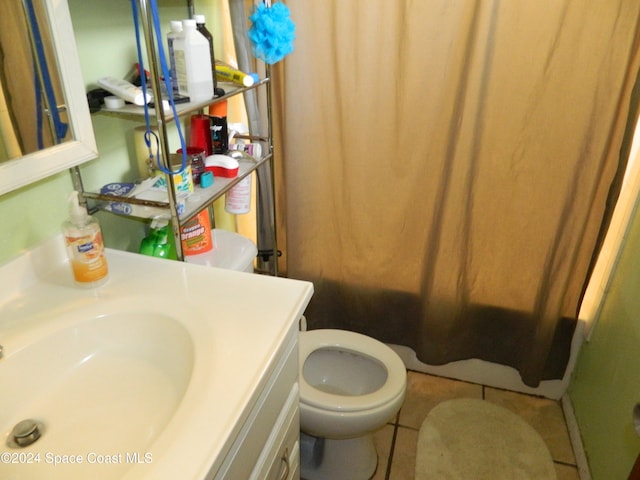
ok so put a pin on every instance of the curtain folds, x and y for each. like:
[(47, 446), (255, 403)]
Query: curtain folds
[(446, 165)]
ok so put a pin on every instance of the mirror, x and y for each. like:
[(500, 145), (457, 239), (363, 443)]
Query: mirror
[(67, 134), (29, 82)]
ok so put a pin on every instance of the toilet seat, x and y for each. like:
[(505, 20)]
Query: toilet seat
[(357, 344)]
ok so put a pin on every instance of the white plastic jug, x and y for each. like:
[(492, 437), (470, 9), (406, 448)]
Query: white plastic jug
[(193, 63)]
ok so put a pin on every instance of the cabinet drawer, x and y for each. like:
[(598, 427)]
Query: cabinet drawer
[(280, 459)]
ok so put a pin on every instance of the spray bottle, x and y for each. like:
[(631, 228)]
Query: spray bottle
[(159, 242), (83, 239)]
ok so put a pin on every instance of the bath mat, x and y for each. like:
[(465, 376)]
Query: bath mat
[(471, 439)]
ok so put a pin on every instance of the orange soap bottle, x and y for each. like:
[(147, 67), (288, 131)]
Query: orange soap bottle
[(83, 239)]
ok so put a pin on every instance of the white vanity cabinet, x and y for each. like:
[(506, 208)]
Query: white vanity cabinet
[(267, 444), (200, 366)]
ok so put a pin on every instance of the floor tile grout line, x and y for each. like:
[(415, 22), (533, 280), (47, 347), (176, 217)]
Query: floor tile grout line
[(393, 446), (483, 386), (408, 427)]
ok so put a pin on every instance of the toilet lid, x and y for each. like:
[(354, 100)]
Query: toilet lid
[(358, 344)]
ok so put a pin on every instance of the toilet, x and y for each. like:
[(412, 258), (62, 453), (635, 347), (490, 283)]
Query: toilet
[(232, 252), (350, 386)]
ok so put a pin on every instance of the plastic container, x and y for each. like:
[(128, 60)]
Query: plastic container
[(85, 248), (112, 102), (238, 200), (195, 156), (219, 127), (176, 31), (222, 165), (226, 73), (193, 63), (202, 28), (195, 235), (232, 252), (159, 242), (200, 133), (183, 182), (124, 90)]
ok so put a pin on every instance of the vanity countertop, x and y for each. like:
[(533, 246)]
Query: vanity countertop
[(237, 321)]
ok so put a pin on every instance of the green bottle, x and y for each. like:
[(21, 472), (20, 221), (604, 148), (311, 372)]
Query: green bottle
[(159, 242)]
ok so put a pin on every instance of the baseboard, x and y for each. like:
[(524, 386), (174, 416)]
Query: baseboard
[(576, 439)]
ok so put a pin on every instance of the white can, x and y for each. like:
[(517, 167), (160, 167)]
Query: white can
[(238, 199)]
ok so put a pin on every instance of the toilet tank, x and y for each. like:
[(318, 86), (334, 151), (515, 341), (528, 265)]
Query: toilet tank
[(231, 251)]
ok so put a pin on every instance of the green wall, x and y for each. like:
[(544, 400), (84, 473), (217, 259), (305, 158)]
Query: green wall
[(606, 382), (31, 215)]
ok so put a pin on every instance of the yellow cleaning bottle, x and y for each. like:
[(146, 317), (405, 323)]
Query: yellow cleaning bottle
[(83, 239)]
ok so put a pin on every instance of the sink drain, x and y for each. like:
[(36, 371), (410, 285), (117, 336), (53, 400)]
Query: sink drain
[(24, 433)]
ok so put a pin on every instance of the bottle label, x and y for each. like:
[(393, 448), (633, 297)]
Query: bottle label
[(219, 135), (196, 235), (181, 72), (238, 199), (87, 257)]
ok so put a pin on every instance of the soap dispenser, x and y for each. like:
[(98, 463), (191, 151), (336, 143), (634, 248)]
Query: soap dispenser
[(85, 247)]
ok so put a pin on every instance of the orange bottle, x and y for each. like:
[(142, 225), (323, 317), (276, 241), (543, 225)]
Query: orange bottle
[(195, 235)]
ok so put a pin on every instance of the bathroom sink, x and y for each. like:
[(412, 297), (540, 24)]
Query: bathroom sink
[(150, 376), (89, 386)]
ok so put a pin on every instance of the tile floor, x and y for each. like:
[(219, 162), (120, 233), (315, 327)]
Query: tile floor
[(396, 442)]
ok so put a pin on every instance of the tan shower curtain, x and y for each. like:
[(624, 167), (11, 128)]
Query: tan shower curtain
[(445, 166)]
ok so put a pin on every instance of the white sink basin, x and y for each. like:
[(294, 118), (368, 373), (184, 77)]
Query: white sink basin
[(91, 386)]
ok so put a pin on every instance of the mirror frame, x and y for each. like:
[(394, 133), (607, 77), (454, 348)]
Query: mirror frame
[(16, 173)]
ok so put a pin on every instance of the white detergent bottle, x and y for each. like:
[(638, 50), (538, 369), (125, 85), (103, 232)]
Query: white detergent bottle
[(83, 239), (193, 63), (176, 31)]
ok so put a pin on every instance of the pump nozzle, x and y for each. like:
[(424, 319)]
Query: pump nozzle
[(77, 214), (159, 221)]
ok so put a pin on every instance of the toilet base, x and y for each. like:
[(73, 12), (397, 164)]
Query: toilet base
[(348, 459)]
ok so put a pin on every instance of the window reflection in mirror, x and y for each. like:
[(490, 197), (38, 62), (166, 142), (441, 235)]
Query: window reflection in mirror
[(29, 82)]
